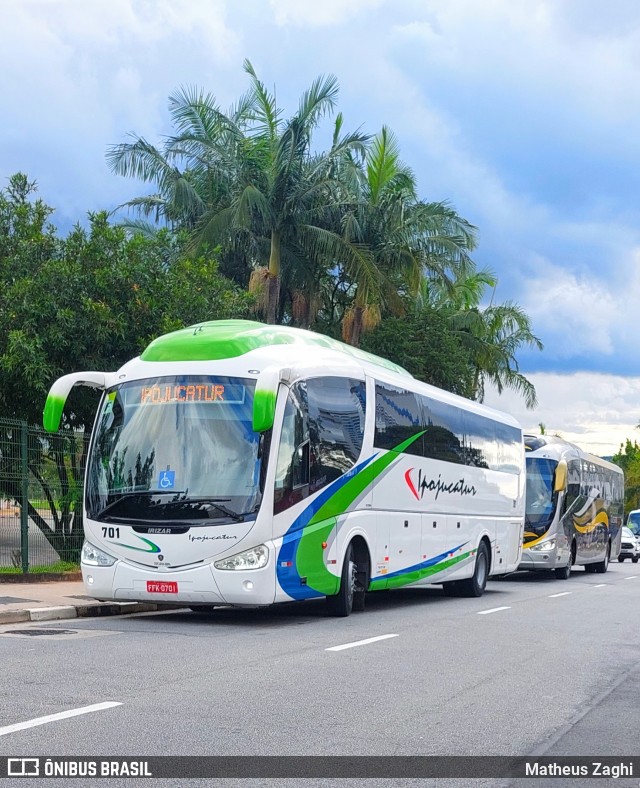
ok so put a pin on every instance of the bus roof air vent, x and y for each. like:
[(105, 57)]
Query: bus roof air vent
[(222, 339)]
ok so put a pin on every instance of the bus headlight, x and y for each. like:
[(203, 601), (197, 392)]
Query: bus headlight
[(255, 558), (549, 544), (94, 557)]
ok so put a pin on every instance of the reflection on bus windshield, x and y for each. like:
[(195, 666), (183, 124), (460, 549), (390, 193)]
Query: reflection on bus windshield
[(540, 501)]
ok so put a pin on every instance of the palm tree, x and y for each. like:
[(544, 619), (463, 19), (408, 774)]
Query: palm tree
[(493, 336), (464, 292), (405, 237), (247, 181)]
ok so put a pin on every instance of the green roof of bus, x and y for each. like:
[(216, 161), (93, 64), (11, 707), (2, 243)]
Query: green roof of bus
[(219, 339)]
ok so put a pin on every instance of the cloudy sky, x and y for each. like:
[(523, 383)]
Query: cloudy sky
[(523, 113)]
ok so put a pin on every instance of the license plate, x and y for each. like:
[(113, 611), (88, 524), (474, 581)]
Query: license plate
[(155, 587)]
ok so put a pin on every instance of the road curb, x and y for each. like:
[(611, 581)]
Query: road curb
[(96, 610), (14, 616), (40, 577), (51, 613)]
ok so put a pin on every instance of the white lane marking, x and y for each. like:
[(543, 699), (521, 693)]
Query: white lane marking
[(63, 715), (630, 577), (600, 585), (360, 642), (493, 610), (564, 593)]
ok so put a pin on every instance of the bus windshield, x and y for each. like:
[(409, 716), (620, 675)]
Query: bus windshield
[(175, 449), (540, 499)]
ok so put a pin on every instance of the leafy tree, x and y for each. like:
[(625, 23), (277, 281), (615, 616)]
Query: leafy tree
[(628, 458), (90, 301), (423, 343)]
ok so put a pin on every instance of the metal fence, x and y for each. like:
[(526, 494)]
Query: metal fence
[(41, 477)]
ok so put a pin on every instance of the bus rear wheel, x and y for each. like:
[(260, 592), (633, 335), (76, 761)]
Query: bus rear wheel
[(341, 604), (475, 585), (601, 566)]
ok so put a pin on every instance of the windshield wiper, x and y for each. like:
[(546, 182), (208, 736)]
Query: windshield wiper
[(134, 494), (217, 503)]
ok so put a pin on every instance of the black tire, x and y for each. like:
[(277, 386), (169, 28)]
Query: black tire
[(601, 566), (341, 604), (565, 572), (590, 568), (363, 578), (475, 585), (635, 560), (621, 560)]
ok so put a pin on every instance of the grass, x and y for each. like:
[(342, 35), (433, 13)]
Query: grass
[(59, 566)]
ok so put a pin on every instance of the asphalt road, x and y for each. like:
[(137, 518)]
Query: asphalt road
[(535, 666)]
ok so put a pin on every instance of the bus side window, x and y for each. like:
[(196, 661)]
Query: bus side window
[(444, 431), (398, 418), (292, 466), (336, 427)]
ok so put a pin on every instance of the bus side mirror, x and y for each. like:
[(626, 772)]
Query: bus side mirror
[(59, 392), (560, 479), (264, 399)]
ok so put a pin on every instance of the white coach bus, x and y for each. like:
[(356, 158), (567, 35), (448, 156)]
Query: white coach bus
[(235, 463), (574, 508)]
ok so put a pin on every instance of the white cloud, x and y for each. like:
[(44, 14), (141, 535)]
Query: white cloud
[(597, 412), (535, 53), (325, 13), (78, 76), (575, 310)]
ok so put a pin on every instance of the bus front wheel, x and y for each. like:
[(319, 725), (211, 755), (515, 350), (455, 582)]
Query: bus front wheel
[(341, 604), (475, 585), (565, 572)]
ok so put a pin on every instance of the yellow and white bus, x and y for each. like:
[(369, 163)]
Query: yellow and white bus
[(235, 463), (574, 508)]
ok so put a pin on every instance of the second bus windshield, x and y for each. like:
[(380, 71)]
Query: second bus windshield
[(541, 500)]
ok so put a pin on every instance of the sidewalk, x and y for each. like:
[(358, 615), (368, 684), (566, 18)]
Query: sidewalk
[(51, 601)]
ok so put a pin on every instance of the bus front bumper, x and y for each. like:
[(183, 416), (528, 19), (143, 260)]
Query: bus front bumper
[(536, 560), (203, 585)]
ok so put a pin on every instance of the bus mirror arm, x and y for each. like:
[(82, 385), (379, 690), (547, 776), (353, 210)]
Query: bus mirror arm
[(264, 399), (59, 392), (560, 478)]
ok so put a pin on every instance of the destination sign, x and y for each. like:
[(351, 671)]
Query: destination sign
[(199, 393)]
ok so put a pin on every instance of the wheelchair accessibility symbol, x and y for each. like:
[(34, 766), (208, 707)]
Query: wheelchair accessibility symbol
[(167, 480)]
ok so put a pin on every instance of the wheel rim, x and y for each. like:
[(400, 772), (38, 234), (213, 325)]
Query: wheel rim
[(481, 577)]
